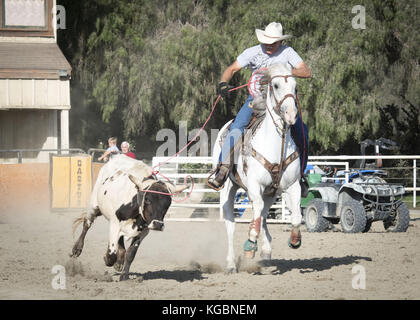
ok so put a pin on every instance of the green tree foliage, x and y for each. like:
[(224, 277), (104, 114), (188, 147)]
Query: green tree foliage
[(139, 66)]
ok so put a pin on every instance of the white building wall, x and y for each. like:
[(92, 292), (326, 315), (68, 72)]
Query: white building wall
[(34, 94)]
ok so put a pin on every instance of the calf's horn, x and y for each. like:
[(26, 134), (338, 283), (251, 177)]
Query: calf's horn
[(136, 181), (170, 186), (177, 189)]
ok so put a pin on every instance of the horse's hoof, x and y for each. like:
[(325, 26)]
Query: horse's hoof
[(76, 252), (295, 239), (294, 246), (118, 267), (110, 259), (231, 270), (265, 255)]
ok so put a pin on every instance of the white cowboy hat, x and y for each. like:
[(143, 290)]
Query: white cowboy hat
[(272, 33)]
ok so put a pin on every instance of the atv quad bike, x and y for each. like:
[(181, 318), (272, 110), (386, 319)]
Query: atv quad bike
[(365, 198)]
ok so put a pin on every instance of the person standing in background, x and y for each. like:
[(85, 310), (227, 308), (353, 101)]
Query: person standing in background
[(125, 148), (111, 151)]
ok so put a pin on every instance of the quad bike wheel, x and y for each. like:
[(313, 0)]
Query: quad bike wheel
[(314, 221), (398, 220), (353, 217)]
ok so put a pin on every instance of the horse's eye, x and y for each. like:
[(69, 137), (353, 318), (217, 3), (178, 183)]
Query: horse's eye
[(276, 86)]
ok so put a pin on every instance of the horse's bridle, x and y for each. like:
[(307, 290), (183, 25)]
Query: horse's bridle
[(277, 107)]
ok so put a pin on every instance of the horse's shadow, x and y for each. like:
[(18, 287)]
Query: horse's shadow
[(311, 265), (282, 266), (178, 275)]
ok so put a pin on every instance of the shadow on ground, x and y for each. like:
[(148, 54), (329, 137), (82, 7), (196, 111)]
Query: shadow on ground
[(178, 275), (311, 265)]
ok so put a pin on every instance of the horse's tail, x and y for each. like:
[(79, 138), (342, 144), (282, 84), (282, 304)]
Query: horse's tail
[(78, 221)]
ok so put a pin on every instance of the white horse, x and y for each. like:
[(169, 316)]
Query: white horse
[(272, 137)]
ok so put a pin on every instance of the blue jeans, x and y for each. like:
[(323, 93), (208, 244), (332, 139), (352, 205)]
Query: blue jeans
[(299, 134), (236, 129)]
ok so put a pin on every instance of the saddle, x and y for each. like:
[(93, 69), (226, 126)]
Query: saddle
[(275, 169)]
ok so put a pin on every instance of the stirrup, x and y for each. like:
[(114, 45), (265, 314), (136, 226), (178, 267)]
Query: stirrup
[(210, 180), (211, 185)]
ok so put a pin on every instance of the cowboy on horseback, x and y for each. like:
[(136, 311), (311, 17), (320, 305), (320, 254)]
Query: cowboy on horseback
[(270, 51)]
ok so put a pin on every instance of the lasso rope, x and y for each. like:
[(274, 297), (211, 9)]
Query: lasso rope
[(156, 172), (252, 91)]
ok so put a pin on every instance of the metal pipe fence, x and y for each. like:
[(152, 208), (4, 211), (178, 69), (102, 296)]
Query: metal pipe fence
[(20, 152)]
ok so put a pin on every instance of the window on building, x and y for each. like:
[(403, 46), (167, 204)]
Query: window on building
[(26, 17), (24, 13)]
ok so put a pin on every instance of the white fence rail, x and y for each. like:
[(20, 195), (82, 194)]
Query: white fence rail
[(171, 170)]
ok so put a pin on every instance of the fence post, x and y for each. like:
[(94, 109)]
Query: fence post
[(347, 168), (177, 171), (414, 182)]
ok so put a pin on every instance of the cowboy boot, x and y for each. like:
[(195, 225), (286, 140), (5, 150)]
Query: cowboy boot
[(224, 168)]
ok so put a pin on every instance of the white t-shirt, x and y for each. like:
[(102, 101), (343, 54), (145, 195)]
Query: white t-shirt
[(256, 57), (114, 151)]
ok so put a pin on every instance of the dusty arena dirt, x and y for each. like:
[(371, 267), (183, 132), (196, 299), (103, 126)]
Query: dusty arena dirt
[(187, 261)]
